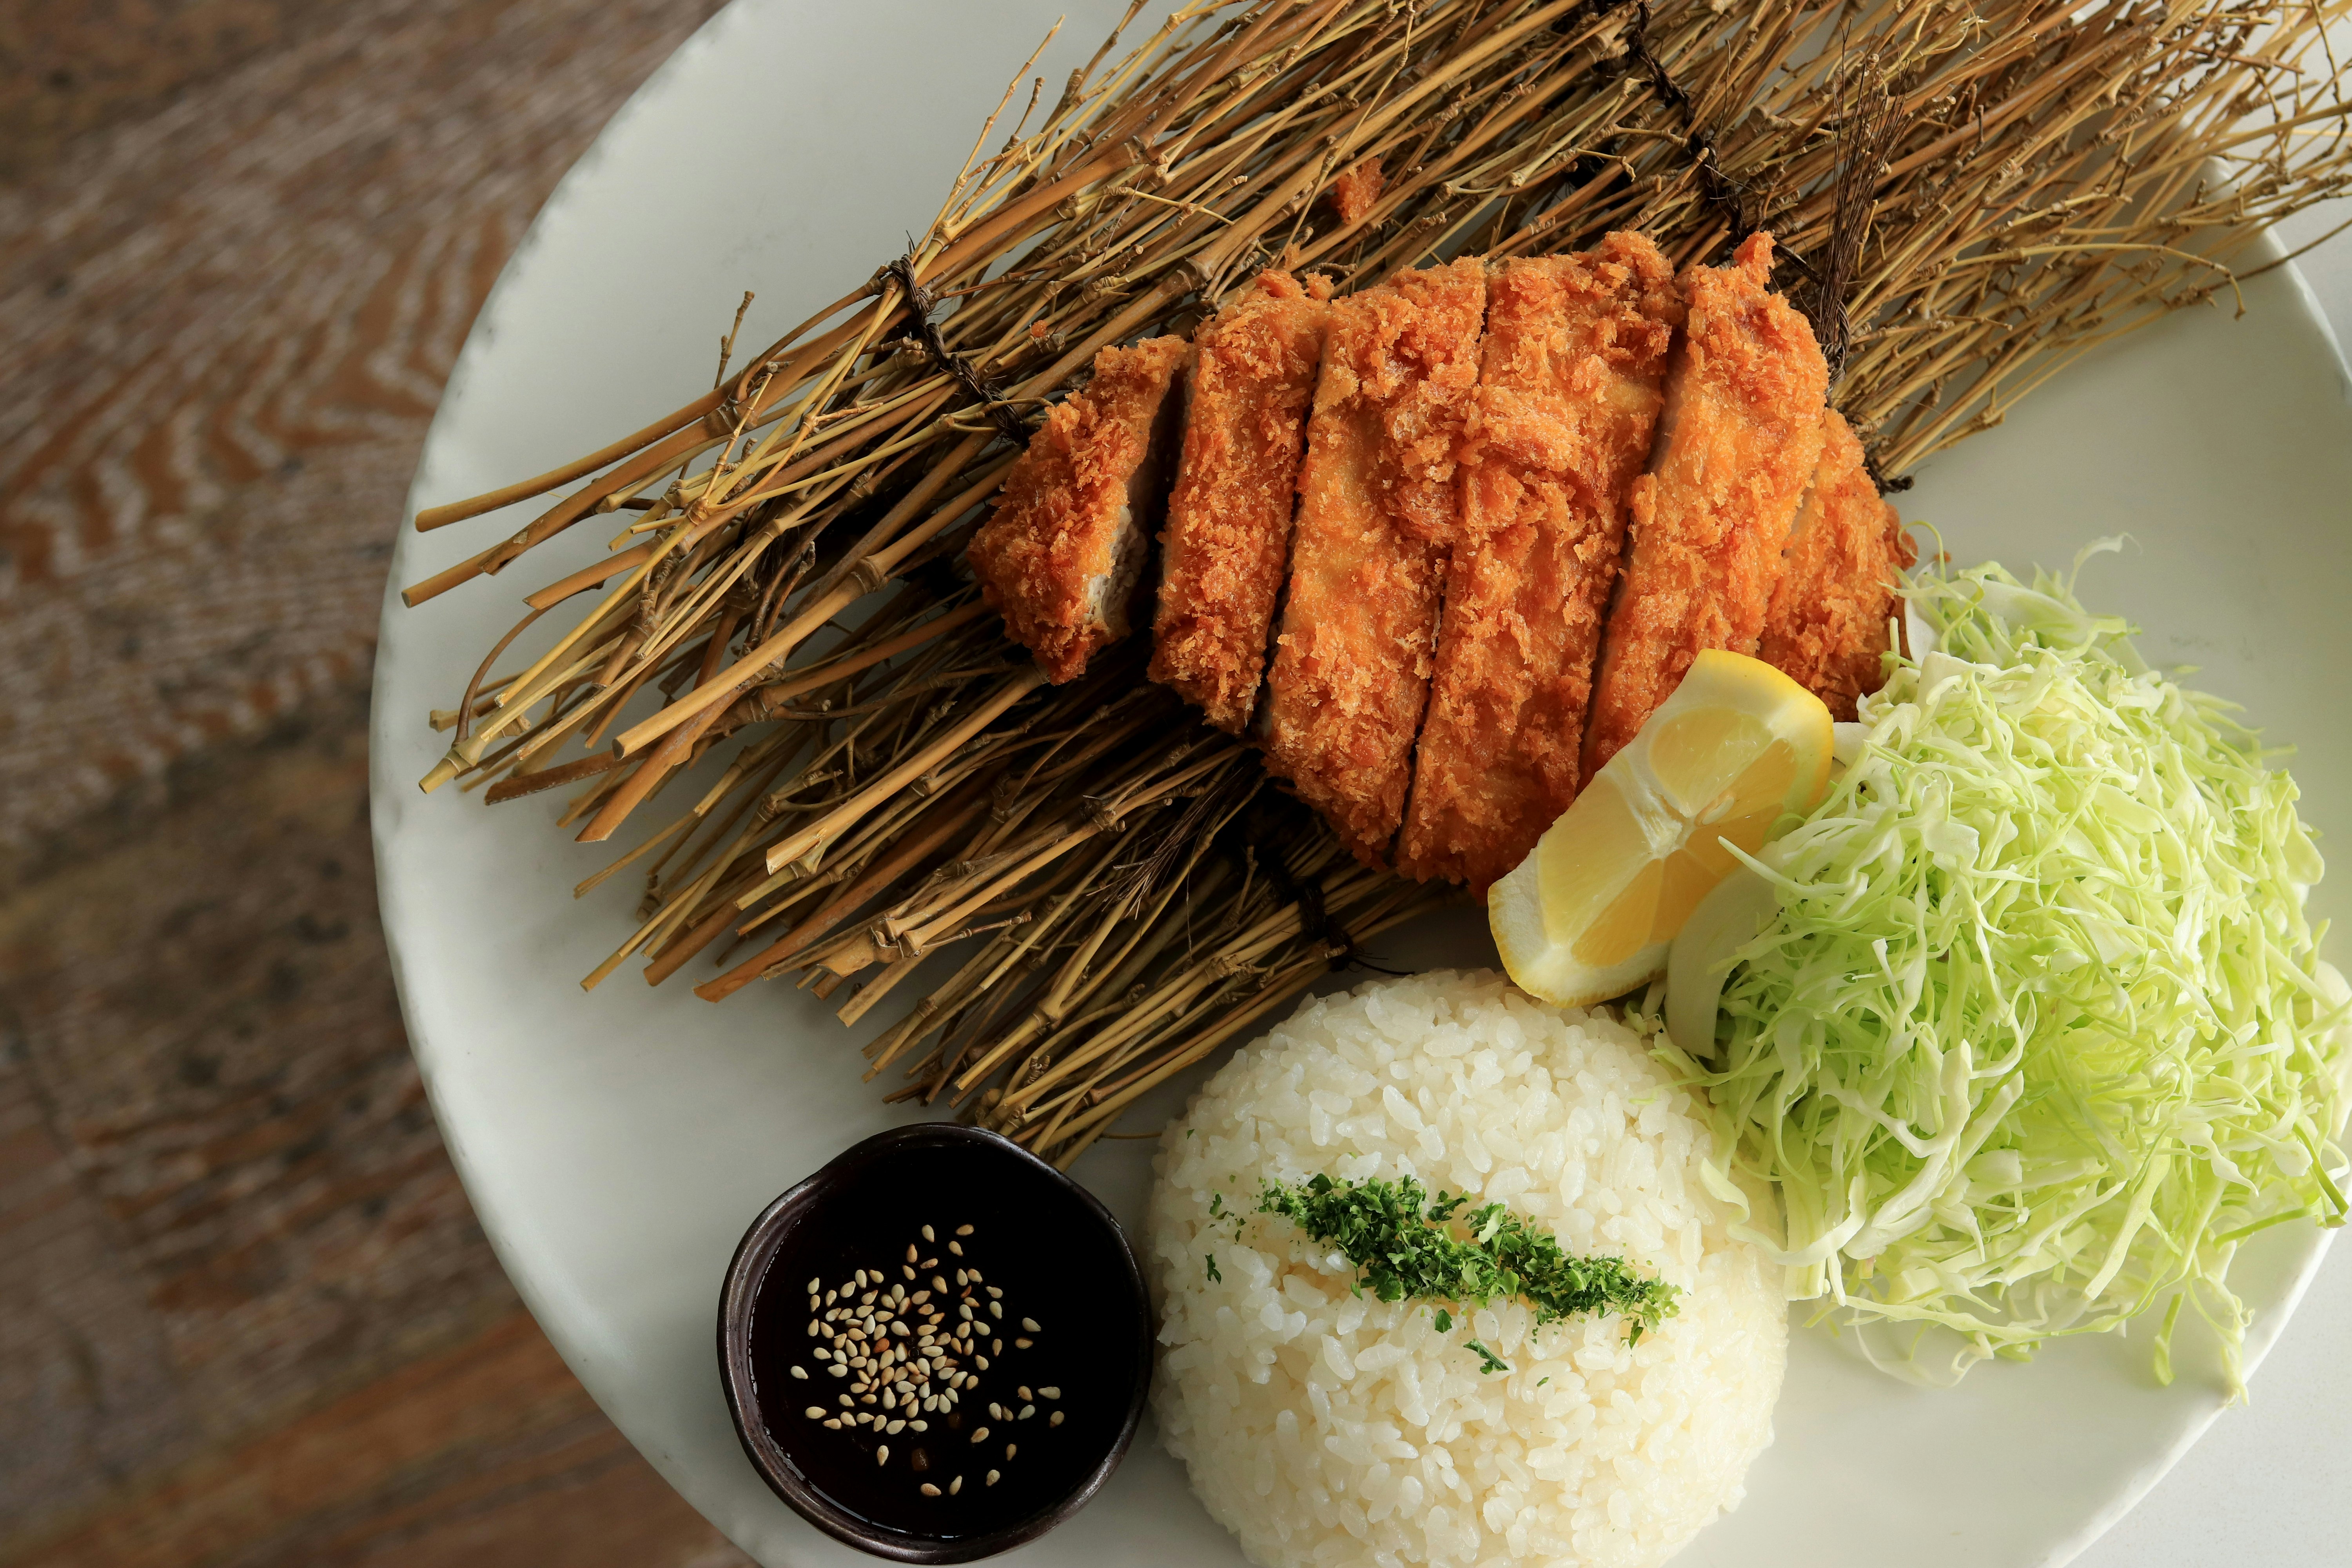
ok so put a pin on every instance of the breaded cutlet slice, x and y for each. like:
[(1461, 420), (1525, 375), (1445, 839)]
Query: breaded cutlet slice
[(1736, 449), (1377, 514), (1827, 626), (1228, 536), (1569, 394), (1061, 556)]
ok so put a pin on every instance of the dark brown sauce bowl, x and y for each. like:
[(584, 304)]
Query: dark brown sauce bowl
[(1045, 1241)]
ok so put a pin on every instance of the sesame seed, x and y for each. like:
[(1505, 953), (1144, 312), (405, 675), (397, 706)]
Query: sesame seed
[(956, 1248), (927, 1234), (929, 1490), (1049, 1391), (833, 1425), (830, 1298), (1010, 1449), (981, 1435), (994, 1290), (919, 1426), (838, 1369), (911, 1252), (1027, 1411), (991, 1478), (975, 1276), (814, 1328), (963, 1230), (998, 1347), (1030, 1324), (815, 1413), (981, 1361), (938, 1284), (846, 1400), (909, 1271), (996, 1309), (860, 1278), (1023, 1344), (996, 1410), (955, 1486), (1055, 1419), (895, 1427), (882, 1455)]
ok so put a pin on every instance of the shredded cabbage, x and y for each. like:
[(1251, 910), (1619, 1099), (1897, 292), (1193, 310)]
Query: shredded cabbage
[(2038, 1032)]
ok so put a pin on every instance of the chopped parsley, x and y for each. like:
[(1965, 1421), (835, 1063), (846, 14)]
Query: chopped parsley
[(1405, 1246), (1211, 1259)]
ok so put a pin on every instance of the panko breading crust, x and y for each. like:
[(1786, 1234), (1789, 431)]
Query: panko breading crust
[(1357, 191), (1736, 450), (1827, 627), (1567, 400), (1378, 511), (1061, 556), (1227, 543)]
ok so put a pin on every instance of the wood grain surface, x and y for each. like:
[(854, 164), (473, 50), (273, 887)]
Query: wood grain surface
[(245, 1315)]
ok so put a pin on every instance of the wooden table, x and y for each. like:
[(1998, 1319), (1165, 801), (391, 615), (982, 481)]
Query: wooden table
[(245, 1315)]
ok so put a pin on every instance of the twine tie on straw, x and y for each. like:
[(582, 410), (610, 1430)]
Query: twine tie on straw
[(918, 300)]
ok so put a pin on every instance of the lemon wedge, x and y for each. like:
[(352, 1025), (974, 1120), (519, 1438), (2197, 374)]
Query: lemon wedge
[(1589, 913)]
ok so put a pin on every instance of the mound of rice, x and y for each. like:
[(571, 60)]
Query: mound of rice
[(1329, 1428)]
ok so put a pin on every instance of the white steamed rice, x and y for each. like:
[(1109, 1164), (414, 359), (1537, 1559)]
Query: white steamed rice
[(1327, 1428)]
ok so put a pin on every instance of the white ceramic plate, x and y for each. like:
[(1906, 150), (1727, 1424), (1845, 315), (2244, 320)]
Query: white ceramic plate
[(615, 1145)]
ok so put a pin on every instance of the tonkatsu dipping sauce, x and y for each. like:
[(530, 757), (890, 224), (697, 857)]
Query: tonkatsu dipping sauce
[(946, 1345)]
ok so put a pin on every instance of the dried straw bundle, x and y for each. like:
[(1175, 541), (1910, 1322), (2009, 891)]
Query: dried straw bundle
[(1965, 195)]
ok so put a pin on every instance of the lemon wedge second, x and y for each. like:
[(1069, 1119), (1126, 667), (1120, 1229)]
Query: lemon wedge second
[(1588, 915)]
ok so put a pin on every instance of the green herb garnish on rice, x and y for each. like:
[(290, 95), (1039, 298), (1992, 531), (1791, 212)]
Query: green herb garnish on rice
[(1404, 1248)]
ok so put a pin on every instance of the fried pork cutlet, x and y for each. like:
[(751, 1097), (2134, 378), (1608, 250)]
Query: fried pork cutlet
[(1568, 398), (1228, 534), (1061, 556), (1827, 627), (1736, 449), (1377, 515)]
